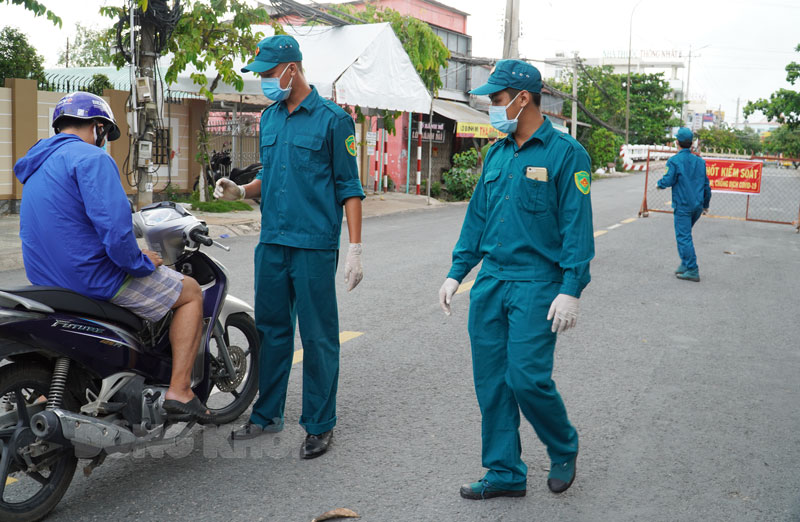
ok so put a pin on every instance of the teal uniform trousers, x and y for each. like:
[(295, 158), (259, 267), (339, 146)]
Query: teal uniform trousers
[(294, 283), (512, 356)]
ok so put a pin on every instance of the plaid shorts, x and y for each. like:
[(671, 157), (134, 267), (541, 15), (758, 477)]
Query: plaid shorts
[(152, 296)]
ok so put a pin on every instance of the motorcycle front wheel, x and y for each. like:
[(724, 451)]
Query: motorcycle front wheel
[(232, 394), (34, 475)]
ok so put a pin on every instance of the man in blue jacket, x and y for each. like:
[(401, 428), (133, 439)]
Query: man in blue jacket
[(77, 233), (691, 196), (530, 222)]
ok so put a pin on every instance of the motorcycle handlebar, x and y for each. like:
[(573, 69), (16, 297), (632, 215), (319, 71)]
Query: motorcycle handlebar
[(198, 237)]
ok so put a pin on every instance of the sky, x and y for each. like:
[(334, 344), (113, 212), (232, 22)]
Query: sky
[(739, 49)]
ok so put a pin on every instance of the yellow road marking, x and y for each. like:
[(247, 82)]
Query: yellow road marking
[(600, 233), (629, 220), (349, 336), (10, 480), (465, 287), (343, 338)]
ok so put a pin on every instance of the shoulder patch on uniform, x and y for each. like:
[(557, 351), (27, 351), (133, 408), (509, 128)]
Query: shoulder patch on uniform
[(350, 143), (583, 181)]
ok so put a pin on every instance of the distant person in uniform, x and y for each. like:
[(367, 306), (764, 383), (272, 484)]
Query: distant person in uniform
[(691, 197), (308, 153), (485, 149), (530, 222)]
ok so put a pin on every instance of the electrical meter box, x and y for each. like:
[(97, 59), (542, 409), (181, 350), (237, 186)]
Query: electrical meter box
[(144, 89), (145, 153)]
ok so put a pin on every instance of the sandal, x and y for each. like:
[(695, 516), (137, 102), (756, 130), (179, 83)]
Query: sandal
[(194, 408)]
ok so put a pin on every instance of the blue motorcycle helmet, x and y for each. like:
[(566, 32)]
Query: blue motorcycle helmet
[(86, 106)]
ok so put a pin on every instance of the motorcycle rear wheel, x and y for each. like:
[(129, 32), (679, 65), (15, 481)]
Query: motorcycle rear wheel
[(22, 385)]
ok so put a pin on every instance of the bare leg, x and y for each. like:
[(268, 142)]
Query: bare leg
[(184, 335)]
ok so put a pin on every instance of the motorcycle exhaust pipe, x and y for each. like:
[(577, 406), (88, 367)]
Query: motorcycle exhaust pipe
[(88, 435), (46, 426)]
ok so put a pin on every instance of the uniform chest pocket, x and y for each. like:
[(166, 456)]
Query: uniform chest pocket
[(533, 194), (490, 182), (306, 149), (267, 149)]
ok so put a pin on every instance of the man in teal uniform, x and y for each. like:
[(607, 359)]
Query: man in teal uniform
[(309, 173), (530, 222), (691, 196)]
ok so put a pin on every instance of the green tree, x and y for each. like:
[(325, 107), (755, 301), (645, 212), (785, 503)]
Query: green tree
[(99, 83), (603, 147), (719, 139), (18, 58), (749, 140), (207, 35), (461, 179), (603, 93), (783, 105), (785, 141), (90, 49), (38, 9)]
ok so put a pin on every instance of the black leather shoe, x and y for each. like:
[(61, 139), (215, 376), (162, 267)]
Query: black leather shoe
[(251, 430), (316, 445)]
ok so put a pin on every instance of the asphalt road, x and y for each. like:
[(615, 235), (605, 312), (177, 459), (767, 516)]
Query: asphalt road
[(685, 395)]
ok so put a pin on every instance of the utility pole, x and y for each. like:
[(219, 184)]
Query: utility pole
[(628, 83), (144, 82), (736, 125), (575, 98), (688, 77), (147, 97), (511, 30), (66, 56)]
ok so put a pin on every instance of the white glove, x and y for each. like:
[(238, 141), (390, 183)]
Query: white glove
[(446, 293), (227, 189), (565, 311), (353, 269)]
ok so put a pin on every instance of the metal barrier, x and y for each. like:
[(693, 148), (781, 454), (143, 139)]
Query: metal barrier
[(778, 200), (240, 137)]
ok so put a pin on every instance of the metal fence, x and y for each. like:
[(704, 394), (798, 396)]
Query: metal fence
[(239, 136), (71, 82), (777, 202)]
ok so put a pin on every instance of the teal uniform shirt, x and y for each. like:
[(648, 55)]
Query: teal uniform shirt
[(530, 217), (686, 174), (309, 170)]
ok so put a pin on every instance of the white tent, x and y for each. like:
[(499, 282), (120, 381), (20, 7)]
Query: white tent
[(362, 65)]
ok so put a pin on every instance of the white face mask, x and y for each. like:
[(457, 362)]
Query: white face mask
[(498, 116), (104, 145)]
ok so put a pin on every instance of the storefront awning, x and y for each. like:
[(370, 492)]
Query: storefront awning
[(470, 123)]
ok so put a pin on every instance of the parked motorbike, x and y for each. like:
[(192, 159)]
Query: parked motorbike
[(84, 379), (220, 164)]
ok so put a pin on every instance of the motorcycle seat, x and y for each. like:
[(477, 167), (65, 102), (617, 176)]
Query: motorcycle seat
[(64, 300)]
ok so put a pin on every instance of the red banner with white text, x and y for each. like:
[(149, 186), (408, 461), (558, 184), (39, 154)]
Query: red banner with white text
[(734, 175)]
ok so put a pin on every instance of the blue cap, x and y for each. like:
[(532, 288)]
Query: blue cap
[(684, 135), (274, 50), (511, 73)]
